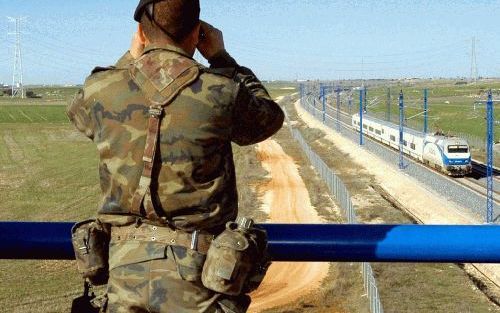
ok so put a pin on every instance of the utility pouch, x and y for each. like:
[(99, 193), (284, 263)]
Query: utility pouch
[(232, 259), (91, 244), (189, 263)]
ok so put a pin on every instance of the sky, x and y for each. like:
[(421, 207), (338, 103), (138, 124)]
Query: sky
[(279, 39)]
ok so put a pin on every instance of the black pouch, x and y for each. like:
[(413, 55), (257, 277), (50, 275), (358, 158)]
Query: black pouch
[(262, 260), (83, 304), (91, 244), (237, 304)]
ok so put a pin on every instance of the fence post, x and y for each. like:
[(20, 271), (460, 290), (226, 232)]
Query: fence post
[(365, 96)]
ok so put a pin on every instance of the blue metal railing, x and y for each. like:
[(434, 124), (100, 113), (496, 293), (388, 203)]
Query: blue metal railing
[(302, 242)]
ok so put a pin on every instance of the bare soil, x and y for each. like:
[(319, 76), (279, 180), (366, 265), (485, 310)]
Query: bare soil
[(292, 178), (288, 203)]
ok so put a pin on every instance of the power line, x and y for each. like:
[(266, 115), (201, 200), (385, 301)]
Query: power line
[(62, 44), (63, 49)]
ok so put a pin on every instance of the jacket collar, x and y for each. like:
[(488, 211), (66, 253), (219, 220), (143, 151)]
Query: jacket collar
[(166, 47)]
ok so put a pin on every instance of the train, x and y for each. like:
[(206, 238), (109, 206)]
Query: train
[(450, 155)]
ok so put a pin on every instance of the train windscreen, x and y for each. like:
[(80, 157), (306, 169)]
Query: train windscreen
[(458, 149)]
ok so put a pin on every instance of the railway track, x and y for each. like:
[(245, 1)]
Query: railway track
[(472, 183), (479, 170)]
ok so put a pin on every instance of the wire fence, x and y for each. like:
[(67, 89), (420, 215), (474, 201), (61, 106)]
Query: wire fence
[(343, 197), (473, 141)]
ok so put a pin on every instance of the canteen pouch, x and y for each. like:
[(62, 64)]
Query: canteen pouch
[(233, 259), (91, 244)]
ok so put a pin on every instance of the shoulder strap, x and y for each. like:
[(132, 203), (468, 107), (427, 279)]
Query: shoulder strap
[(160, 85)]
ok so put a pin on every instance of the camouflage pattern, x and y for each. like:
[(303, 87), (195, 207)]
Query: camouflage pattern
[(195, 175), (149, 276), (196, 186)]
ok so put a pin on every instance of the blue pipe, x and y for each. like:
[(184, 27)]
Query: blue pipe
[(303, 242)]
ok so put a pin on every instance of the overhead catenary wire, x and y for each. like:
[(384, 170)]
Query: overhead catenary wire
[(434, 50)]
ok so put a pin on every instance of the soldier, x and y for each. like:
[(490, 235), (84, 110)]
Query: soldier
[(163, 125)]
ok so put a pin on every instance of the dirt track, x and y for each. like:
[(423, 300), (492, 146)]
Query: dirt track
[(287, 201)]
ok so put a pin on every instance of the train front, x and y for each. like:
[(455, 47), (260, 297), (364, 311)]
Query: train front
[(456, 156)]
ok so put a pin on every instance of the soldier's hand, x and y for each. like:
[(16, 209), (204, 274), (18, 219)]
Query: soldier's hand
[(211, 40), (137, 46)]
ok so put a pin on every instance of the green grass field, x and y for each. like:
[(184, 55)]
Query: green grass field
[(451, 103), (451, 106), (32, 113)]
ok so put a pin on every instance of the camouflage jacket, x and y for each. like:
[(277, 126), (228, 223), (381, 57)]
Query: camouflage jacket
[(195, 175)]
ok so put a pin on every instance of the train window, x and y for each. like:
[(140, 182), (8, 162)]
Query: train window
[(382, 130), (405, 143), (370, 128), (412, 145), (393, 138), (378, 132), (458, 149)]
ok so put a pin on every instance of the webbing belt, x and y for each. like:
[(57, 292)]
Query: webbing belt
[(159, 99), (149, 233)]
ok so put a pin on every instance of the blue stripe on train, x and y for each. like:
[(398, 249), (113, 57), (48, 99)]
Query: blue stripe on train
[(462, 161)]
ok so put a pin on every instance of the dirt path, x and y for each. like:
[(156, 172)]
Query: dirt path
[(287, 201)]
